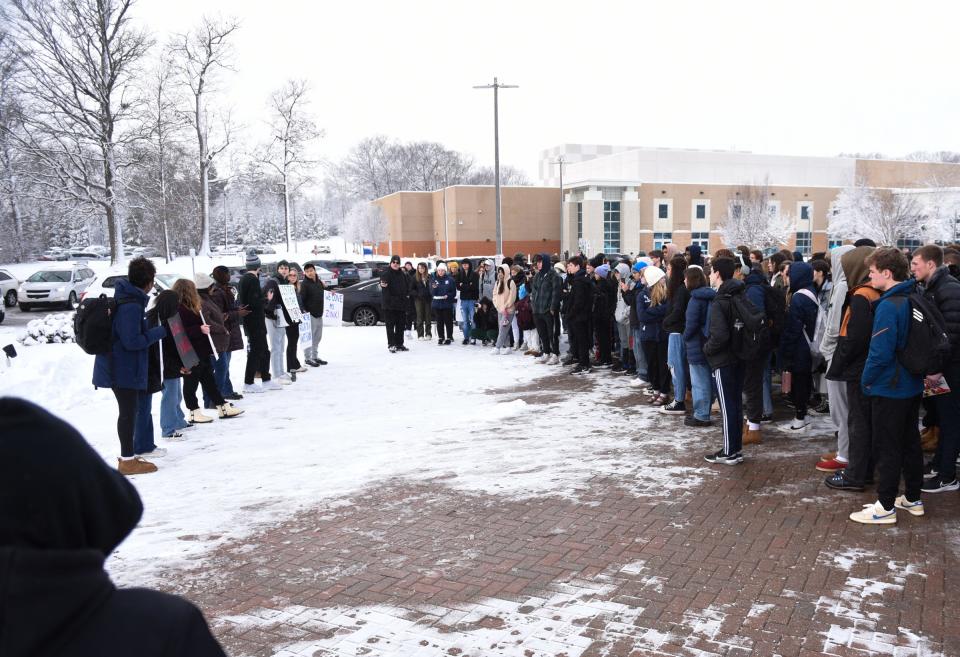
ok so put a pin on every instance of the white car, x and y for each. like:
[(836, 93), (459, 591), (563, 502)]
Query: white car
[(8, 288), (55, 286)]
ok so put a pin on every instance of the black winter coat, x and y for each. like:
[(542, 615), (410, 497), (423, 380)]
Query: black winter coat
[(468, 283), (270, 308), (579, 303), (944, 290), (250, 294), (717, 345), (223, 296), (630, 298), (421, 290), (397, 292), (311, 296), (677, 311), (850, 355), (62, 512), (604, 299)]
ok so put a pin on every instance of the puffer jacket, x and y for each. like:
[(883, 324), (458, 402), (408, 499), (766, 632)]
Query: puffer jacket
[(545, 290), (944, 290), (651, 317), (801, 320), (695, 324), (883, 375), (579, 302)]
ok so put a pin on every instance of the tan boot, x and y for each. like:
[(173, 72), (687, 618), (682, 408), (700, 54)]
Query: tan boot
[(196, 417), (929, 438), (135, 466), (751, 436), (228, 410)]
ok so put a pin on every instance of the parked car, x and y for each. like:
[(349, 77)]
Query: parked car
[(55, 254), (364, 270), (379, 267), (147, 252), (344, 270), (85, 255), (259, 249), (55, 286), (320, 248), (362, 303), (8, 288), (105, 283)]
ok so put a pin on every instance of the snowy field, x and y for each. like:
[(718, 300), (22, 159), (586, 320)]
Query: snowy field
[(366, 417)]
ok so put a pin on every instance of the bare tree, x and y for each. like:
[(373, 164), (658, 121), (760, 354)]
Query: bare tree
[(200, 56), (9, 123), (79, 64), (752, 219), (292, 131)]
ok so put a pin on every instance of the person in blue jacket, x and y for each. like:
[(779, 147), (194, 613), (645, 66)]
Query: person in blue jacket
[(894, 394), (794, 343), (694, 329), (444, 290), (652, 307), (757, 402), (124, 369)]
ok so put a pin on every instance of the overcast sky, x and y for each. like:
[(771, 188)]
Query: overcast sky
[(805, 78)]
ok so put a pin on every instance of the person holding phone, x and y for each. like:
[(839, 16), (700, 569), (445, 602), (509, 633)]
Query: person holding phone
[(395, 297)]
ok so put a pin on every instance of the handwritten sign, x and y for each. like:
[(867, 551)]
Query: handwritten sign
[(332, 309), (289, 296), (306, 330)]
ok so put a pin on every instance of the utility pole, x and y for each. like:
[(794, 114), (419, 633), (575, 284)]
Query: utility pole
[(496, 86), (560, 161)]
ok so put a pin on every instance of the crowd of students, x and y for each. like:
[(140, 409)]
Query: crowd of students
[(832, 335), (147, 354)]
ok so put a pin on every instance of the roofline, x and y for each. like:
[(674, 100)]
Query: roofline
[(420, 191)]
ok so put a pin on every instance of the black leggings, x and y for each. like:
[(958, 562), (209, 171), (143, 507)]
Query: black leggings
[(602, 331), (201, 375), (126, 419), (657, 371), (444, 323), (258, 356), (801, 384), (293, 342)]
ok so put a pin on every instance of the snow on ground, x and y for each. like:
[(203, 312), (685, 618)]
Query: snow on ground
[(366, 417)]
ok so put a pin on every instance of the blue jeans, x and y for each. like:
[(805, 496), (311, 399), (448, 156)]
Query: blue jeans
[(639, 356), (143, 429), (171, 413), (701, 389), (767, 383), (221, 375), (677, 362), (467, 310)]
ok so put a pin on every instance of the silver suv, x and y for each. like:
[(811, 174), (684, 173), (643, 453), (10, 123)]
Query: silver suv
[(55, 286)]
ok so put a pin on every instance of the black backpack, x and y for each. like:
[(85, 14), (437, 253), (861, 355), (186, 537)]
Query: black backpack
[(750, 333), (927, 348), (93, 323), (776, 303)]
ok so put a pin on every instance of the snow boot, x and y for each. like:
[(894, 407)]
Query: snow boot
[(135, 466), (196, 417), (228, 410)]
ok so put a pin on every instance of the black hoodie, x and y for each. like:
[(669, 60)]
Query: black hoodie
[(62, 511)]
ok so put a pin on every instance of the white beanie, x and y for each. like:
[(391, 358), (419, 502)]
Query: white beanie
[(442, 265), (652, 275)]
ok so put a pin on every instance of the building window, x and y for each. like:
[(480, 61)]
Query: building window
[(659, 239), (736, 210), (701, 239), (832, 244), (579, 222), (804, 242), (805, 213), (701, 211), (909, 244), (663, 211), (611, 226)]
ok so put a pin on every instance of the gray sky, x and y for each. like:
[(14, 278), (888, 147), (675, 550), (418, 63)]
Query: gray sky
[(806, 78)]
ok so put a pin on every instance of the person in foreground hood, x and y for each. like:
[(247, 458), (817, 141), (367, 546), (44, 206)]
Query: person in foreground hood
[(62, 512)]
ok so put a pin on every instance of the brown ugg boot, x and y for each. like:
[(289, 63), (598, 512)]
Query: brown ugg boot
[(751, 436), (929, 438), (135, 466)]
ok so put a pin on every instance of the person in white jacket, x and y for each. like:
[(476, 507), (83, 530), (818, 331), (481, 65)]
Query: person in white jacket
[(505, 301)]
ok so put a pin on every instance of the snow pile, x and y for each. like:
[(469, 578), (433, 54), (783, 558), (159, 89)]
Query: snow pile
[(52, 329)]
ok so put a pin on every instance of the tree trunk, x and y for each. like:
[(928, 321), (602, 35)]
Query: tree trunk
[(203, 147)]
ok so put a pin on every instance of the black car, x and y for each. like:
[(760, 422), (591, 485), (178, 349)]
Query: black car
[(345, 271), (362, 303)]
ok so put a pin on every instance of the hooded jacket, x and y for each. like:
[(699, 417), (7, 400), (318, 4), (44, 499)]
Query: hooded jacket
[(250, 294), (126, 364), (545, 289), (604, 299), (695, 324), (487, 279), (468, 282), (801, 320), (856, 325), (944, 291), (62, 512), (720, 325), (696, 255), (580, 298), (883, 375), (223, 297), (836, 303), (755, 292), (505, 301)]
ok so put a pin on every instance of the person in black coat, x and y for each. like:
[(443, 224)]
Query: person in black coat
[(311, 296), (577, 310), (395, 295), (250, 295), (62, 512), (468, 285)]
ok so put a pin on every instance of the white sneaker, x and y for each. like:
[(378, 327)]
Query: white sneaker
[(157, 453), (554, 360), (283, 380), (543, 360), (913, 508), (408, 335), (272, 385), (508, 351), (252, 389), (875, 514), (638, 382), (799, 423), (495, 352)]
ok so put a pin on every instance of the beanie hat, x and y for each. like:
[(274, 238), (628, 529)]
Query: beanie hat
[(202, 281), (602, 271), (253, 260), (395, 258), (558, 266), (639, 266), (441, 265), (653, 275)]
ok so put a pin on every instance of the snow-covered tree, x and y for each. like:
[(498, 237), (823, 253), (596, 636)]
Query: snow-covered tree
[(366, 223), (753, 220), (886, 216)]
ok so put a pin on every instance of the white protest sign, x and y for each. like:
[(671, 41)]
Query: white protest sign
[(332, 309), (289, 296), (306, 331)]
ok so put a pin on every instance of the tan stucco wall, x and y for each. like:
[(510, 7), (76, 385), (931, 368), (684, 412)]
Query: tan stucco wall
[(897, 173)]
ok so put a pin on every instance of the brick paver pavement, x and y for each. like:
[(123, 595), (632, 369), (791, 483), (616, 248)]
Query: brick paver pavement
[(758, 559)]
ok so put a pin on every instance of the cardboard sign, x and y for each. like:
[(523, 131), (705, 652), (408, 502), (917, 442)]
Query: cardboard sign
[(306, 331), (182, 342), (332, 308), (289, 296)]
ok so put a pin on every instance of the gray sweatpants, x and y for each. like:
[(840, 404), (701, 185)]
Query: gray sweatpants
[(277, 353), (316, 328), (839, 411)]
